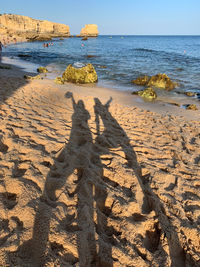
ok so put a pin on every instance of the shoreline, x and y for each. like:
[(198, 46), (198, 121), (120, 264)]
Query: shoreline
[(165, 103), (176, 96)]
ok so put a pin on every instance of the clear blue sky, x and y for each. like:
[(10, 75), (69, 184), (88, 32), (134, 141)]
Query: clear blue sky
[(114, 16)]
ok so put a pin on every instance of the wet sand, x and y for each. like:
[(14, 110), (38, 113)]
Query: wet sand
[(94, 177)]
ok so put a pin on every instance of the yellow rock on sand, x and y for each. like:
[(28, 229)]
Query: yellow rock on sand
[(59, 80), (192, 107), (86, 74), (189, 93), (148, 93)]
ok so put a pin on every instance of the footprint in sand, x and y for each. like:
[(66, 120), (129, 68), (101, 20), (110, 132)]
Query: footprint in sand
[(9, 199), (3, 147)]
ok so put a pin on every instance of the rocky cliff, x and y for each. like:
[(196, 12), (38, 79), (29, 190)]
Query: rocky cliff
[(90, 30), (26, 26)]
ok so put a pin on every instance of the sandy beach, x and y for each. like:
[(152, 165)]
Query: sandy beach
[(94, 177)]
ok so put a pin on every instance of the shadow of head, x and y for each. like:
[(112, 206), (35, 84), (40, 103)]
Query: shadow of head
[(80, 104), (99, 104)]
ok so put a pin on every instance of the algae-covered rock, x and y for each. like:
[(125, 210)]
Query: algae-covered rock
[(59, 80), (42, 70), (159, 80), (148, 93), (191, 107), (32, 77), (85, 74), (143, 80), (190, 93), (162, 81)]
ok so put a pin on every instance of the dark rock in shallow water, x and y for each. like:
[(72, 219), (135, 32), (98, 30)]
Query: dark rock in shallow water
[(42, 70), (5, 67), (179, 69), (85, 74), (33, 77), (23, 55)]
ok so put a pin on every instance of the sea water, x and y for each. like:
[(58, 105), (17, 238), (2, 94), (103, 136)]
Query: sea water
[(119, 59)]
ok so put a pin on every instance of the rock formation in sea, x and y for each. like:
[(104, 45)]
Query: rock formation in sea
[(90, 30), (32, 28)]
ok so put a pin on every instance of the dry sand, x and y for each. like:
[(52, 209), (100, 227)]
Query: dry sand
[(86, 180)]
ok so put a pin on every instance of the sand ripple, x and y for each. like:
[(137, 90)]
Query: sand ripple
[(89, 183)]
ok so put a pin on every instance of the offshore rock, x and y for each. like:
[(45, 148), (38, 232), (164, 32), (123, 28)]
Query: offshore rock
[(159, 80), (90, 30), (26, 26), (148, 93), (85, 74)]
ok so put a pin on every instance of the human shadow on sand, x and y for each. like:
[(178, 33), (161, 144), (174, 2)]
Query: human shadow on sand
[(80, 159), (114, 136)]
